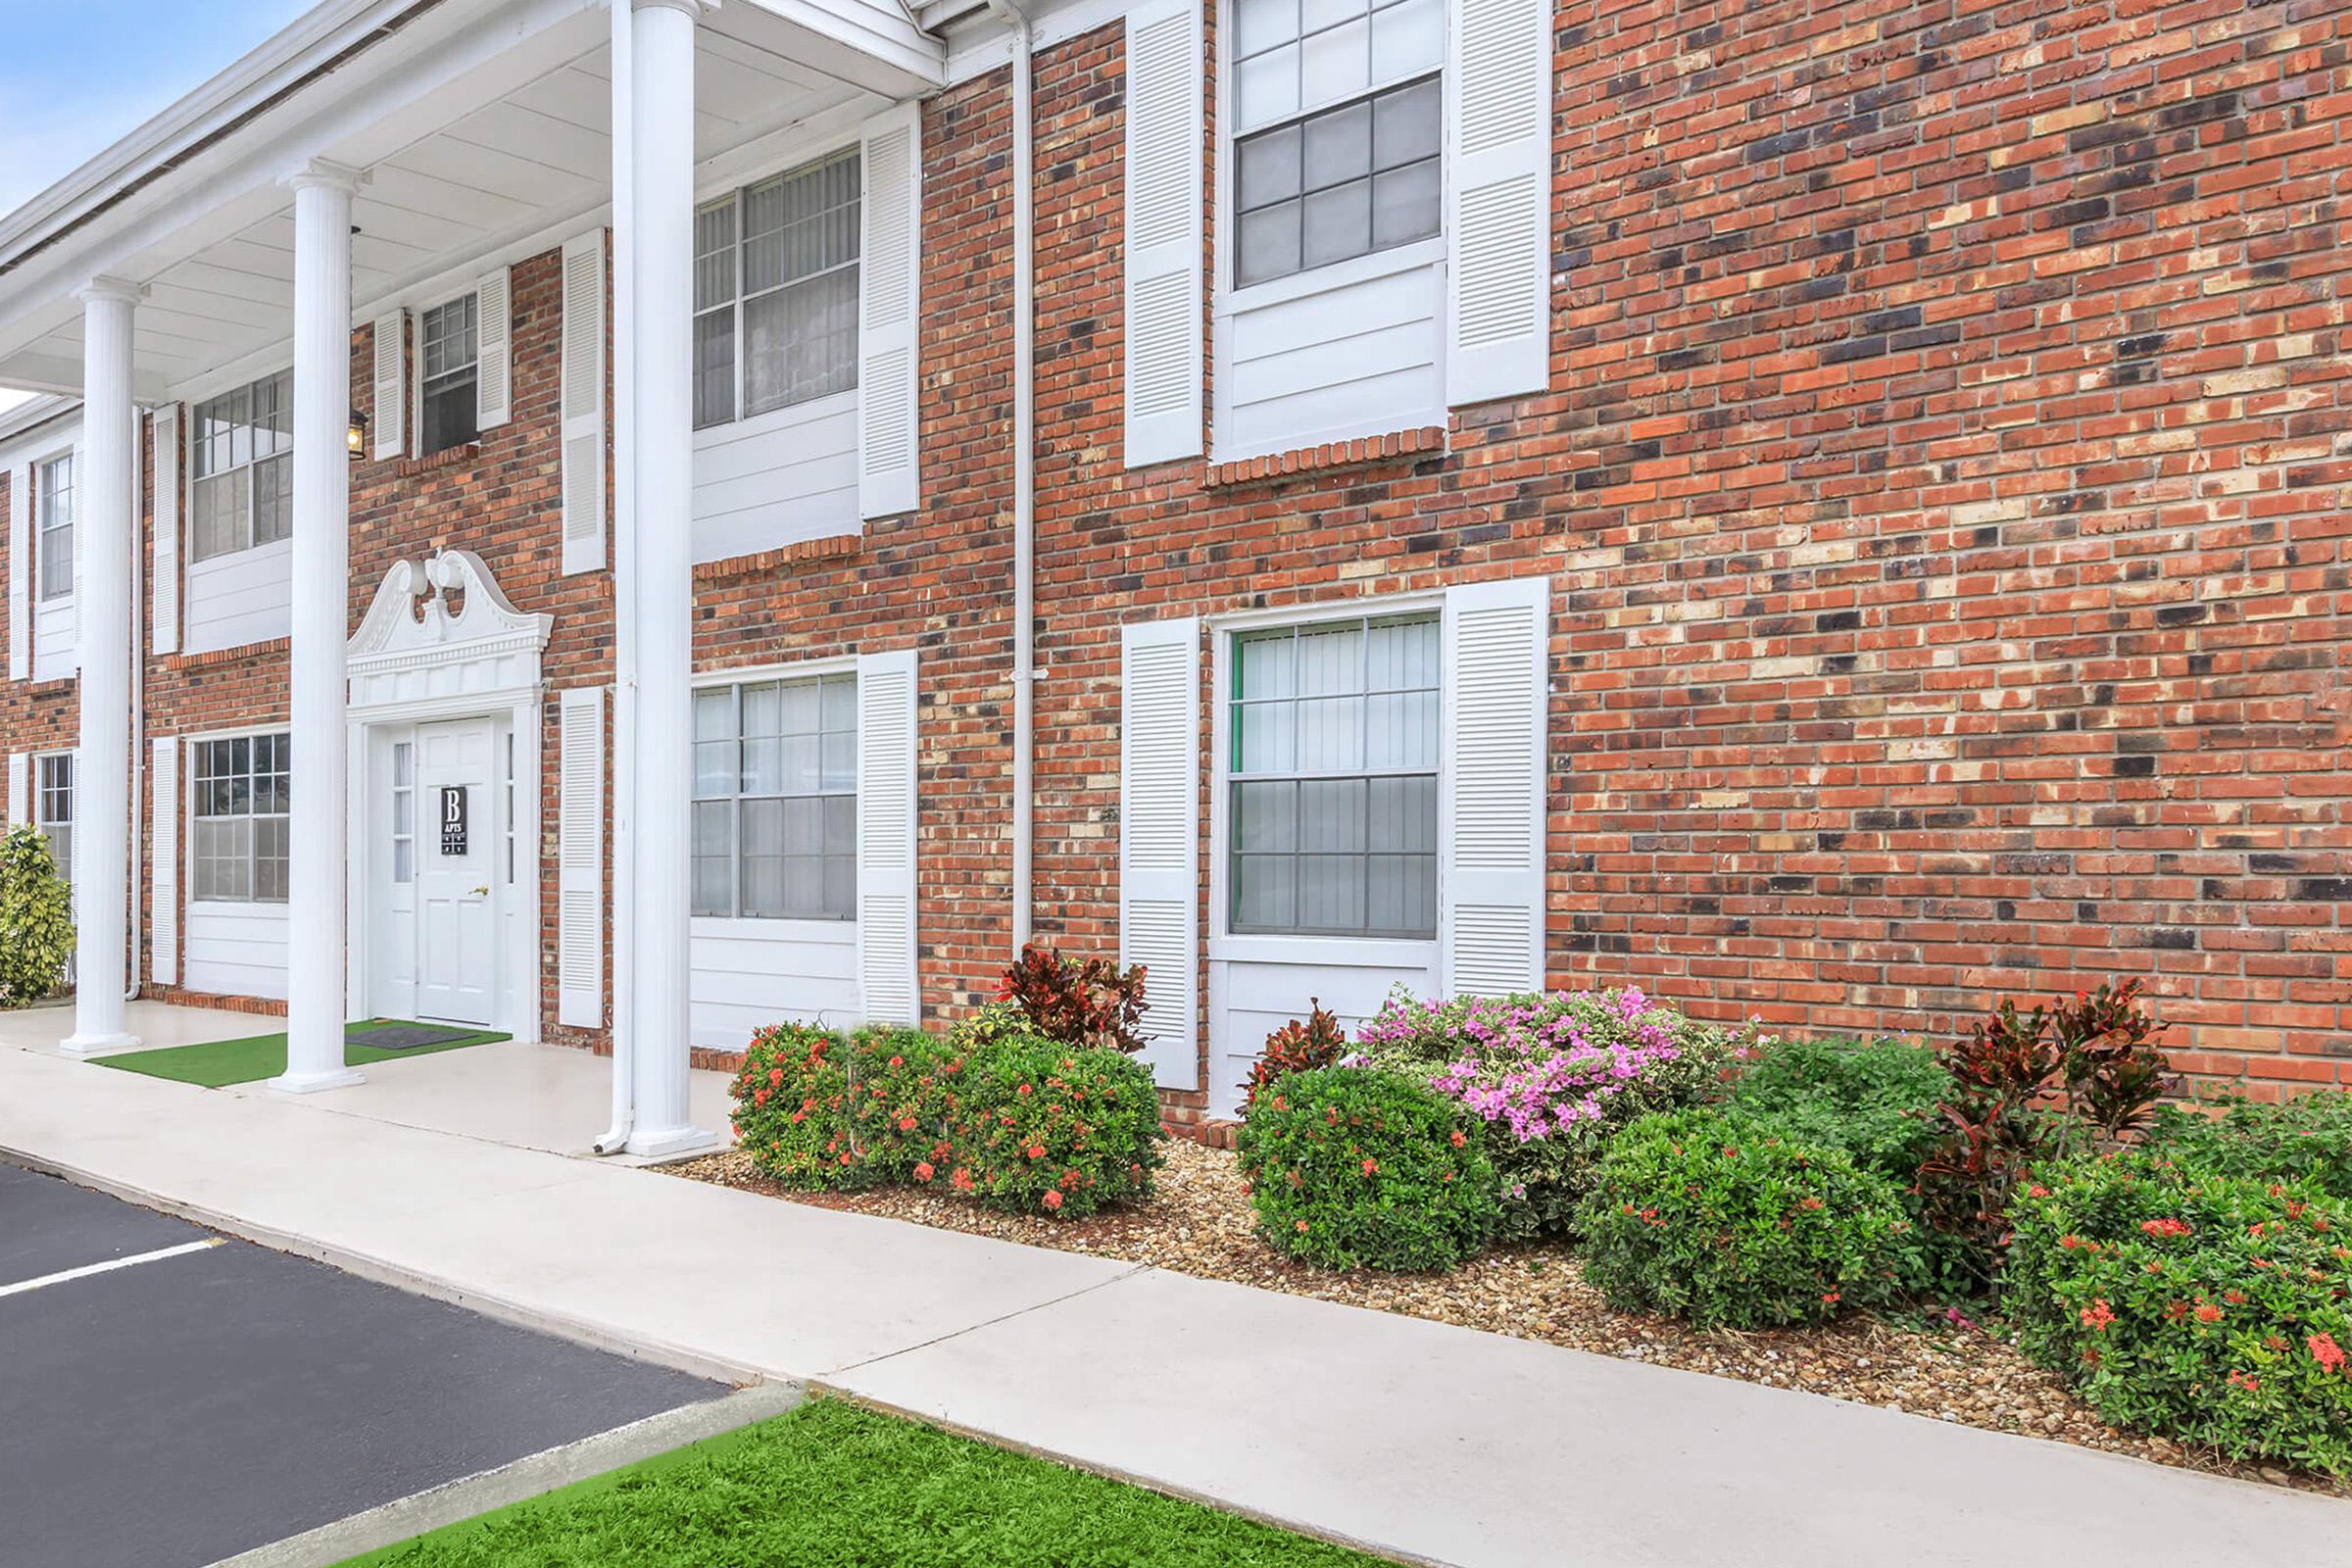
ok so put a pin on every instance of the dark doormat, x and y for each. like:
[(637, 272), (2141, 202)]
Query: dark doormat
[(407, 1035)]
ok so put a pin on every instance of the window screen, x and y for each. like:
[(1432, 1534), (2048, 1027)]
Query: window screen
[(775, 798), (1333, 779)]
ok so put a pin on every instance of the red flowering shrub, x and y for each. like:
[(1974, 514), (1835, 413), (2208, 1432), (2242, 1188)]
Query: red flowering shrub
[(1298, 1048), (816, 1110), (1090, 1003), (2210, 1309), (1048, 1128), (1353, 1166)]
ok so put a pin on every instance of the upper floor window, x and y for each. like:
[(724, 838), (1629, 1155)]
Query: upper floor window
[(775, 798), (242, 792), (775, 292), (1334, 779), (53, 493), (1338, 131), (242, 446), (53, 808), (450, 352)]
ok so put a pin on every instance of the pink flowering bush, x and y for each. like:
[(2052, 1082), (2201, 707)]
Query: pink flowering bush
[(1551, 1075)]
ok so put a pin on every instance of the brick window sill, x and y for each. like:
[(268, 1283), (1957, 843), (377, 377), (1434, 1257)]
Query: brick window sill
[(832, 547), (1365, 452)]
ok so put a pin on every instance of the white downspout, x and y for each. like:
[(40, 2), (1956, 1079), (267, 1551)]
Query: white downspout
[(1024, 470), (624, 577)]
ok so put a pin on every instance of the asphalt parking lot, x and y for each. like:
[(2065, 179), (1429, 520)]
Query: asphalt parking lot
[(171, 1398)]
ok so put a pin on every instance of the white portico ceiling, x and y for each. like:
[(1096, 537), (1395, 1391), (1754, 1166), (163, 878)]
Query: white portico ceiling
[(480, 124)]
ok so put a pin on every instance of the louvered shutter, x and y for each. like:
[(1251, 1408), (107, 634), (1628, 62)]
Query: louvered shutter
[(163, 881), (81, 534), (1499, 199), (165, 595), (20, 573), (1164, 244), (886, 831), (583, 395), (1159, 838), (72, 867), (493, 378), (580, 860), (1492, 818), (18, 767), (391, 382), (889, 309)]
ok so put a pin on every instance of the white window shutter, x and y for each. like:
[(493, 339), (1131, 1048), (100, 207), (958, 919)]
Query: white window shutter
[(163, 919), (164, 596), (81, 534), (580, 860), (19, 573), (886, 834), (1498, 199), (1159, 838), (391, 382), (1491, 817), (583, 397), (492, 379), (888, 312), (19, 768), (73, 815), (1164, 241)]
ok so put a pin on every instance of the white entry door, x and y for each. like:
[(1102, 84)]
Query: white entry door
[(456, 890)]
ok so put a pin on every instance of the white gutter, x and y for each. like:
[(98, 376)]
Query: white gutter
[(624, 575), (1024, 472)]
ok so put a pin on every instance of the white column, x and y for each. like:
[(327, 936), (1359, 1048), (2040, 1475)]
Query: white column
[(659, 577), (316, 910), (107, 516)]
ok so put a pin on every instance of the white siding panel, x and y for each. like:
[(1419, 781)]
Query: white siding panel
[(1361, 358), (53, 657), (751, 973), (777, 479), (239, 599), (237, 949), (1251, 998)]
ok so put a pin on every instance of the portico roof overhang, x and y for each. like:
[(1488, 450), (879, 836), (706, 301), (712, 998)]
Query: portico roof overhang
[(483, 128)]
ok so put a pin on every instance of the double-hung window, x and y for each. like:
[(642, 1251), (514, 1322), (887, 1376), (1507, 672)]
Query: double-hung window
[(775, 292), (53, 808), (241, 793), (450, 352), (53, 494), (775, 798), (1338, 131), (242, 446), (1332, 774)]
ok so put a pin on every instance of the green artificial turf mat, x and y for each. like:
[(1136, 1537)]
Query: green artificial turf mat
[(217, 1063), (833, 1485)]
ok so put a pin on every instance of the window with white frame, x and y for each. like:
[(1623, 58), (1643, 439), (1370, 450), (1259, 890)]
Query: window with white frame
[(1332, 780), (449, 354), (241, 444), (775, 798), (53, 806), (775, 292), (53, 497), (241, 796), (1338, 130)]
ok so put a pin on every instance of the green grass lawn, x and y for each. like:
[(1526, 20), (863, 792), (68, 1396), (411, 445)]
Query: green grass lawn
[(833, 1485), (217, 1063)]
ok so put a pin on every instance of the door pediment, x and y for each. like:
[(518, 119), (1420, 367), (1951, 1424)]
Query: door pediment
[(439, 629)]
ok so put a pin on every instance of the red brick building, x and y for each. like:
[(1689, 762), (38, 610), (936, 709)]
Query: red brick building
[(1826, 513)]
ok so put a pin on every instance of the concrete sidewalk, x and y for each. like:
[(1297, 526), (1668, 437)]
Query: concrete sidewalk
[(1418, 1439)]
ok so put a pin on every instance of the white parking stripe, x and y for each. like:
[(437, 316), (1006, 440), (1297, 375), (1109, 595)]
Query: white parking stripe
[(88, 1269)]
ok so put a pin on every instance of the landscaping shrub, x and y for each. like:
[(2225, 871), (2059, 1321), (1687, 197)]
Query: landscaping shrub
[(1720, 1217), (1552, 1075), (1090, 1003), (2028, 1087), (1874, 1099), (2307, 1140), (36, 920), (1297, 1047), (813, 1109), (2207, 1307), (1352, 1166), (1048, 1128)]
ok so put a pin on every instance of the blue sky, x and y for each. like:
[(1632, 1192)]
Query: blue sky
[(81, 73)]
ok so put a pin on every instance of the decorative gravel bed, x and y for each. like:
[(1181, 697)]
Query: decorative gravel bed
[(1200, 1224)]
